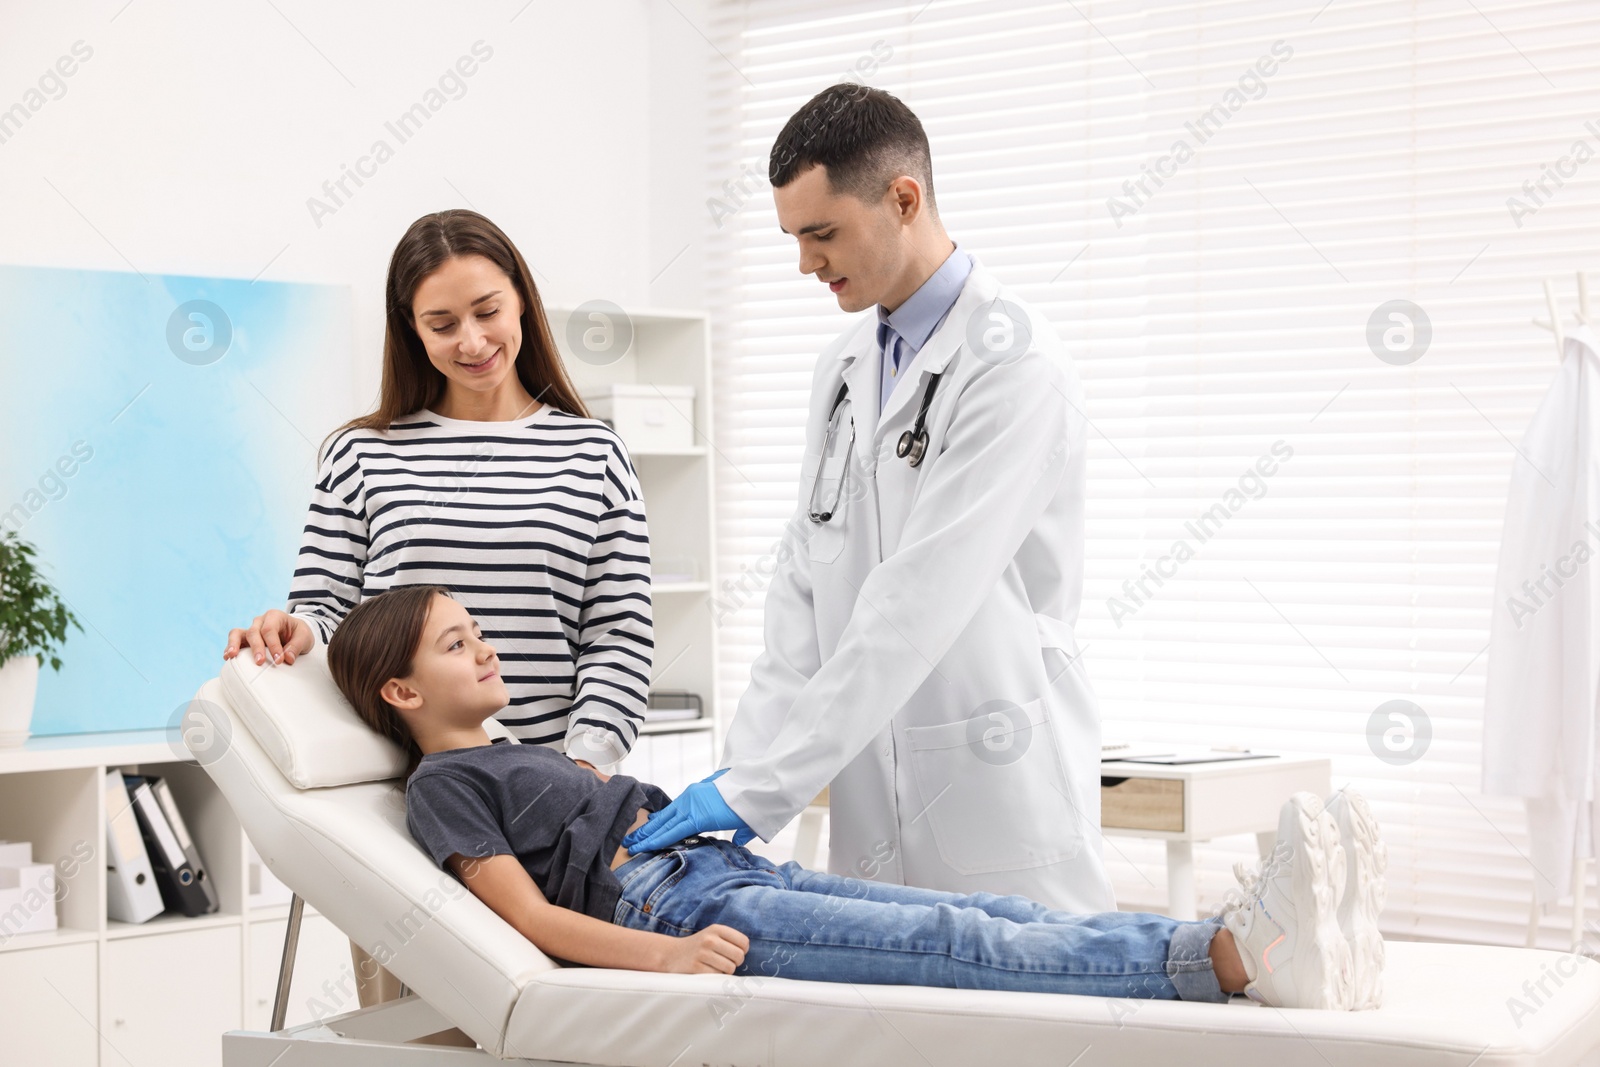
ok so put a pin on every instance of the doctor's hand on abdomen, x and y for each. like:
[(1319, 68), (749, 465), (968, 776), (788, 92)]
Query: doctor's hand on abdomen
[(698, 809)]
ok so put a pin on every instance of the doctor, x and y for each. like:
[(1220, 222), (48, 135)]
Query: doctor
[(920, 656)]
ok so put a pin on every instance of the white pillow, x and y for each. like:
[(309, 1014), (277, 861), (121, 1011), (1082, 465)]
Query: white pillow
[(308, 728)]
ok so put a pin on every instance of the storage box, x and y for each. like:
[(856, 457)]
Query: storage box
[(646, 417), (27, 891)]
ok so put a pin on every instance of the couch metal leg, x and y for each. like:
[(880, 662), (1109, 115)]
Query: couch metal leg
[(291, 941)]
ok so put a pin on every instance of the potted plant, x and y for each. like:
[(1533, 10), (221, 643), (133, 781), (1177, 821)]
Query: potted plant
[(32, 622)]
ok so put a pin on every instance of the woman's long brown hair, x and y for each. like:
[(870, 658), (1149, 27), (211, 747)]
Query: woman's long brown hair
[(378, 640), (410, 381)]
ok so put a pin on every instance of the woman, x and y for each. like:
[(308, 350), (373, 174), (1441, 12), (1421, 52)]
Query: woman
[(481, 471), (538, 839)]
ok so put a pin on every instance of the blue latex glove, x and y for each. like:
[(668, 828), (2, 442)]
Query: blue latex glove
[(697, 810)]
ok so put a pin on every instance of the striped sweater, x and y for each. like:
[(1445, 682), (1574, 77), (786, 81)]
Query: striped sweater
[(537, 527)]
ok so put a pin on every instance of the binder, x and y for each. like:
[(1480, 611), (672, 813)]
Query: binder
[(182, 884), (131, 892), (169, 807)]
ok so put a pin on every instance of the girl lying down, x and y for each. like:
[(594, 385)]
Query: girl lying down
[(537, 837)]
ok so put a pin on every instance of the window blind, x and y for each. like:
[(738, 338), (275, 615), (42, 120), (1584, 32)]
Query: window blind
[(1218, 206)]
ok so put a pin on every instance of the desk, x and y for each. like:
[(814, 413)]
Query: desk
[(1199, 801)]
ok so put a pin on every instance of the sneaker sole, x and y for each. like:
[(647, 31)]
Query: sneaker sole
[(1322, 962), (1370, 860)]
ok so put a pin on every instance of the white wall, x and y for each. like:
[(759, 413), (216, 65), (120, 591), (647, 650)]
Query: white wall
[(192, 137), (680, 58)]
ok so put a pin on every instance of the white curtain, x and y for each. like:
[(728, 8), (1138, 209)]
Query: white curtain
[(1232, 213)]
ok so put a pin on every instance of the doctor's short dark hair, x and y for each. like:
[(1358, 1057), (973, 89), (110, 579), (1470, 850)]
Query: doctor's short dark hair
[(864, 136)]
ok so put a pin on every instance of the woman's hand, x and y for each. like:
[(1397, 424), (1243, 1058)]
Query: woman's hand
[(275, 634), (717, 949)]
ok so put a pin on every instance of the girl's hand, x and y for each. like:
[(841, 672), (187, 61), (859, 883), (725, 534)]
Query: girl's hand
[(275, 634), (597, 774), (717, 949)]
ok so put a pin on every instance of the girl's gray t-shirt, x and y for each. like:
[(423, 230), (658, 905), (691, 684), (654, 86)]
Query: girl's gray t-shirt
[(561, 822)]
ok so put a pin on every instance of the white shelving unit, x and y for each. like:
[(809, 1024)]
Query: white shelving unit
[(666, 348), (96, 992), (100, 992)]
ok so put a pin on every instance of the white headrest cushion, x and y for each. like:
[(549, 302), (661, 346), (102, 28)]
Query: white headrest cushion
[(305, 724)]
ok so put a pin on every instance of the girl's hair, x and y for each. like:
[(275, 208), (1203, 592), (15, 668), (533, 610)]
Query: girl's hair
[(378, 640), (410, 381)]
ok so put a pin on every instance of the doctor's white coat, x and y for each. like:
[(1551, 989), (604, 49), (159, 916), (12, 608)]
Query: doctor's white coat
[(919, 649), (1544, 664)]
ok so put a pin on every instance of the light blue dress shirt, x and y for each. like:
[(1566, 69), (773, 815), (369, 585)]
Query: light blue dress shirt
[(903, 332)]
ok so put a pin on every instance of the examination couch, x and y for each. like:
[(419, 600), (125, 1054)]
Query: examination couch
[(321, 798)]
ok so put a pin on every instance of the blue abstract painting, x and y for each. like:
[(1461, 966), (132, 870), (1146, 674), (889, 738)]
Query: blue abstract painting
[(158, 441)]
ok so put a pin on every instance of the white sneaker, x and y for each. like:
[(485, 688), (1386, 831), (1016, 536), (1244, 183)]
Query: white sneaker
[(1286, 927), (1366, 859)]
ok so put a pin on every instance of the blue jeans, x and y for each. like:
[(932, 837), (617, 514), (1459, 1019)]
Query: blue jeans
[(829, 928)]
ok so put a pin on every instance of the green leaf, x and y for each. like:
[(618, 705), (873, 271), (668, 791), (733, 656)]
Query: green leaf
[(33, 621)]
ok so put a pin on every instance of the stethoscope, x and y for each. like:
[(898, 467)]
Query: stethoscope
[(911, 447)]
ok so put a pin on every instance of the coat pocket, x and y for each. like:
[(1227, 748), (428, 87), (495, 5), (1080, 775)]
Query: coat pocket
[(994, 791), (1074, 715)]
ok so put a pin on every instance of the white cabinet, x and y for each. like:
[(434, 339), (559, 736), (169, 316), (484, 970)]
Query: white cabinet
[(169, 997), (100, 993), (47, 1004), (324, 978)]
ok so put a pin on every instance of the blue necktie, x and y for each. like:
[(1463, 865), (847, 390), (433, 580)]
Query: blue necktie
[(888, 341)]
